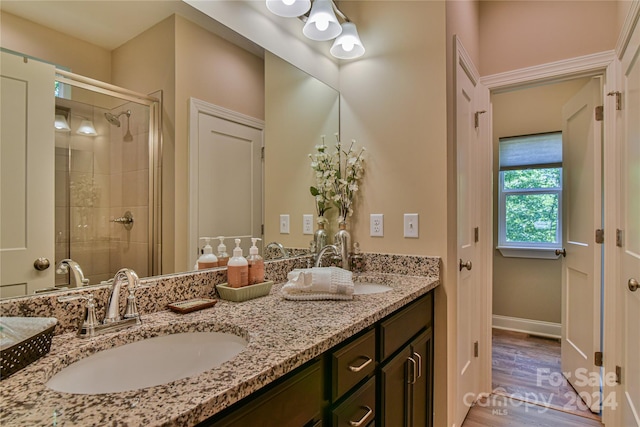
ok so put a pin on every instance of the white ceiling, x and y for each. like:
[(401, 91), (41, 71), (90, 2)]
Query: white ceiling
[(111, 23)]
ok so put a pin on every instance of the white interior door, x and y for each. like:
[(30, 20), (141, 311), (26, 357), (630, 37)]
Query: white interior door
[(26, 174), (581, 268), (630, 224), (226, 178), (468, 283)]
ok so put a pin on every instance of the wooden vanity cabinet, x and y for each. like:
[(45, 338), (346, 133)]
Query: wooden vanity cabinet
[(406, 369), (297, 401), (382, 377)]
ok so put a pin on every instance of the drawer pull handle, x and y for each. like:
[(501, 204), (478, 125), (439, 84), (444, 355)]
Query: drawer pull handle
[(413, 377), (363, 419), (417, 356), (362, 366)]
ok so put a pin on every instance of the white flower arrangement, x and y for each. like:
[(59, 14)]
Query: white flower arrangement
[(337, 175)]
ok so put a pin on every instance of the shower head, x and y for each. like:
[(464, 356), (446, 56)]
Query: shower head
[(114, 119)]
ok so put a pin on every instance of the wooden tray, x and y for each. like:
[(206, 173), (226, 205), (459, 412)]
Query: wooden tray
[(192, 305)]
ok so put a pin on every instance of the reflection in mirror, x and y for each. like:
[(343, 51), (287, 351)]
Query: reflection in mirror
[(294, 125)]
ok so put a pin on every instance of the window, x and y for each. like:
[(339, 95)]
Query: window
[(530, 195)]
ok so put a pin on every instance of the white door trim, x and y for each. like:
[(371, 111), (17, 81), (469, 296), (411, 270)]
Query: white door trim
[(581, 66), (197, 106)]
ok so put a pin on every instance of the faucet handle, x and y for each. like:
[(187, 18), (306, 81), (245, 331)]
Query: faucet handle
[(87, 323), (132, 308)]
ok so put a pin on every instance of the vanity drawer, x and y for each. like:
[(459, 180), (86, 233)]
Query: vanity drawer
[(352, 363), (402, 326), (359, 410)]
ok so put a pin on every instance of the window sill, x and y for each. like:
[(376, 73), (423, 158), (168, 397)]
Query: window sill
[(538, 253)]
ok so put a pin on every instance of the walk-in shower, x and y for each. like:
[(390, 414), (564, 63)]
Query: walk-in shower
[(105, 179)]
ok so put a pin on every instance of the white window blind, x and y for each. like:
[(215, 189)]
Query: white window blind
[(531, 151)]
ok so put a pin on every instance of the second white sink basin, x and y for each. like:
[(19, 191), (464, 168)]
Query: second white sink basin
[(147, 363), (365, 288)]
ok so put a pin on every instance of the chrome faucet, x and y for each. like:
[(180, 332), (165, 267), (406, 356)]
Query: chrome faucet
[(280, 247), (112, 314), (332, 248), (88, 325), (76, 278)]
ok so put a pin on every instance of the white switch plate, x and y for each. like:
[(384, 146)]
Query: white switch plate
[(284, 224), (377, 225), (411, 225), (307, 224)]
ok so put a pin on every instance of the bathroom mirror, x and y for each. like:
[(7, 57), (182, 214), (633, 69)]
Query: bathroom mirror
[(288, 163)]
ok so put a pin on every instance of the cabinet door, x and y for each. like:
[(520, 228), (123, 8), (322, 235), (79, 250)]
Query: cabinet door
[(296, 402), (422, 401), (394, 389)]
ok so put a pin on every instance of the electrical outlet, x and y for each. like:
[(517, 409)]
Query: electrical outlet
[(411, 225), (377, 225), (284, 224), (307, 224)]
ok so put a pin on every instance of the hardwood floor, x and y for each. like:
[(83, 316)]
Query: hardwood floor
[(528, 389)]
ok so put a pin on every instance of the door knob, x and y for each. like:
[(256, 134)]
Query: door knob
[(633, 285), (41, 264), (562, 252), (466, 265)]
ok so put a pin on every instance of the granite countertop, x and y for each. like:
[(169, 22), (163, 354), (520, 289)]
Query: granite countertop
[(281, 334)]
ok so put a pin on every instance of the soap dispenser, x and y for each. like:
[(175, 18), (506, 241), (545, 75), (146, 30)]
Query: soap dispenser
[(256, 264), (238, 268), (207, 259), (223, 256)]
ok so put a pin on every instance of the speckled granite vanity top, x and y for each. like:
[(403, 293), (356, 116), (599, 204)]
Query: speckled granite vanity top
[(282, 335)]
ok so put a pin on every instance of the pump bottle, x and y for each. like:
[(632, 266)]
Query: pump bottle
[(237, 268), (223, 256), (256, 264), (207, 259)]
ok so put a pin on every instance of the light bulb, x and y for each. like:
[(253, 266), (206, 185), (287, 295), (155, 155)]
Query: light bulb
[(322, 23), (288, 2), (348, 46)]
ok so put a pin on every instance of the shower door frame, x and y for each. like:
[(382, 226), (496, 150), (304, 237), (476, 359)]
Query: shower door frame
[(154, 251)]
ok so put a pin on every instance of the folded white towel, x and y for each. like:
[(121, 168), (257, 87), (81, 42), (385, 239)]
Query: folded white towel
[(319, 283)]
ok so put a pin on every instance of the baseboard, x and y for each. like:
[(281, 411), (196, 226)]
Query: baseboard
[(533, 327)]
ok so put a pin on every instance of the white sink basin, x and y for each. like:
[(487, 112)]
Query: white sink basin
[(365, 288), (147, 363)]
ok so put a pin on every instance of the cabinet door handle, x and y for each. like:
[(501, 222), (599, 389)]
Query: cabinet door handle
[(417, 356), (413, 379), (364, 419), (361, 366)]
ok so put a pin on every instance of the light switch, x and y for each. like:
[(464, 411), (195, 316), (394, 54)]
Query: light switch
[(284, 224), (411, 225)]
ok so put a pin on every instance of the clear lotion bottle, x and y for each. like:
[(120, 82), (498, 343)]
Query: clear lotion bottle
[(223, 256), (237, 268), (207, 259), (256, 264)]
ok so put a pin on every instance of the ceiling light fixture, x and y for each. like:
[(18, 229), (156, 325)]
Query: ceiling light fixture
[(348, 44), (289, 8), (321, 24), (86, 128), (61, 124)]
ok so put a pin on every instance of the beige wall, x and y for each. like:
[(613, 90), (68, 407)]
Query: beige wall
[(518, 34), (527, 288), (299, 110), (139, 65), (80, 57), (216, 71), (394, 103)]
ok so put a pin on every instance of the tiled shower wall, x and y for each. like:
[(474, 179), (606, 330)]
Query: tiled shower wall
[(98, 179)]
